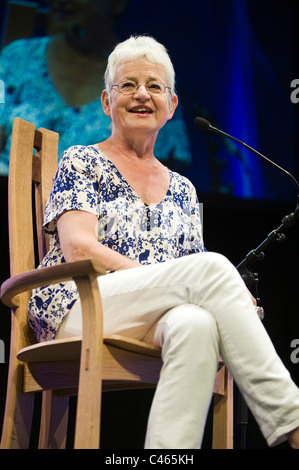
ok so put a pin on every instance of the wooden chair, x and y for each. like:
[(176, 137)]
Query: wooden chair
[(84, 366)]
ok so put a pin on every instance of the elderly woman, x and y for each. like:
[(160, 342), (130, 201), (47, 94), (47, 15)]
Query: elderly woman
[(116, 202)]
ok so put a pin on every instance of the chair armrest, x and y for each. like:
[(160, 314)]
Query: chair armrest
[(45, 276)]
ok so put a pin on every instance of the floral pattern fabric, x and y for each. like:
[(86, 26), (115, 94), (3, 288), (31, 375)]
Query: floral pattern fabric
[(88, 180)]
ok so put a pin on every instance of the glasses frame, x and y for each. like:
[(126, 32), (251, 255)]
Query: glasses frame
[(165, 87)]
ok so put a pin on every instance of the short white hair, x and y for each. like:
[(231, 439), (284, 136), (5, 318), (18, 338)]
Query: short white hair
[(135, 48)]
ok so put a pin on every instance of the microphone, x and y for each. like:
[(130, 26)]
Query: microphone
[(204, 125)]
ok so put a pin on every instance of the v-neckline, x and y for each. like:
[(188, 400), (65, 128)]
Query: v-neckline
[(120, 175)]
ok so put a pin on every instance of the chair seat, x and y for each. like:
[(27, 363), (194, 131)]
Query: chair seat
[(128, 363), (122, 369), (69, 349)]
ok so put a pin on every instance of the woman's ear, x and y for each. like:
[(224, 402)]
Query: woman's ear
[(173, 105), (105, 103)]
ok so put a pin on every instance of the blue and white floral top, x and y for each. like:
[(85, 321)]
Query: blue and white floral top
[(31, 95), (88, 180)]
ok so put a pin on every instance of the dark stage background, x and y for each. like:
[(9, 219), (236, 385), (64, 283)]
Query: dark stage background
[(235, 61)]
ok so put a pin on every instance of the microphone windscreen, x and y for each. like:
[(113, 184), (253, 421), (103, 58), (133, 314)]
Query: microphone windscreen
[(202, 123)]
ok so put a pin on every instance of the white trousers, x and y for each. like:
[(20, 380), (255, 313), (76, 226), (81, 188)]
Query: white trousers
[(195, 308)]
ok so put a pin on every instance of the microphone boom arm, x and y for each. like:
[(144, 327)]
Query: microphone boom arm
[(209, 127), (276, 235)]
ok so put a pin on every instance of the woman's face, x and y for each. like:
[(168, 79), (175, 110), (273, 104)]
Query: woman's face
[(141, 111)]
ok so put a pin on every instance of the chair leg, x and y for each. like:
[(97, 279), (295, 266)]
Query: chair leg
[(16, 429), (88, 416), (17, 421), (223, 416), (54, 421)]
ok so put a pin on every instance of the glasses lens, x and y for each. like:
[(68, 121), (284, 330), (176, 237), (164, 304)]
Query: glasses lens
[(128, 88), (156, 87)]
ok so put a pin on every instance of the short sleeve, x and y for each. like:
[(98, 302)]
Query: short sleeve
[(75, 186)]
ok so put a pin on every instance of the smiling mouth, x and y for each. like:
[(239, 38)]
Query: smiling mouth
[(141, 110)]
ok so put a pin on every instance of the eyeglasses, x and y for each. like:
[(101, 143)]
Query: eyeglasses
[(129, 88)]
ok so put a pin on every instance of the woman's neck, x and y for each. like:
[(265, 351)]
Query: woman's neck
[(141, 149)]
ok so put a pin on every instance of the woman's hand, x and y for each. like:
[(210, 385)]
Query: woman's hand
[(253, 299)]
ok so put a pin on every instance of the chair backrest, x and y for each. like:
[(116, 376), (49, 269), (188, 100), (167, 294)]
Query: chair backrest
[(32, 166)]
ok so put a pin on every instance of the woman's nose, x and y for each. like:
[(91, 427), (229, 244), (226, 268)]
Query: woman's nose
[(142, 91)]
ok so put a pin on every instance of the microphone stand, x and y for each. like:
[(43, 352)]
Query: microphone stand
[(251, 280), (257, 254)]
